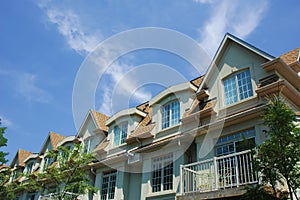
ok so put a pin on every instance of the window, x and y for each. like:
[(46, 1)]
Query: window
[(237, 87), (29, 168), (170, 114), (162, 174), (48, 161), (120, 132), (87, 145), (235, 143), (108, 185)]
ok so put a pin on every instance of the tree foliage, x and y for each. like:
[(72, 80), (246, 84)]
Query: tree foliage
[(278, 157), (67, 174), (3, 143)]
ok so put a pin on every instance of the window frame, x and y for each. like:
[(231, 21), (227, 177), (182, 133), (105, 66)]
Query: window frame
[(29, 166), (238, 88), (111, 184), (122, 133), (172, 115), (232, 140), (161, 165)]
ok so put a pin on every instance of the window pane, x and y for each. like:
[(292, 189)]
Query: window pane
[(230, 90), (108, 185), (175, 112), (124, 132), (117, 136), (245, 86), (162, 175), (166, 116)]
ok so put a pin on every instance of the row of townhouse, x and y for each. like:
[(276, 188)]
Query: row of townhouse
[(188, 141)]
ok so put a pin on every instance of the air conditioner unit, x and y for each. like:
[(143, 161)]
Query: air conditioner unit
[(134, 159)]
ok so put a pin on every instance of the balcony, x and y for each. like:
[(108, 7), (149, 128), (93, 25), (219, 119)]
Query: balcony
[(219, 173)]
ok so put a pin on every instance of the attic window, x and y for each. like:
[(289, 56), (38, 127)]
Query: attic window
[(170, 114), (237, 87), (120, 133)]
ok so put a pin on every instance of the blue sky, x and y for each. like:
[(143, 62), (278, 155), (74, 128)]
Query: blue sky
[(43, 44)]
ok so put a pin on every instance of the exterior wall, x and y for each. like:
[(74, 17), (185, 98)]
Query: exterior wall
[(235, 58)]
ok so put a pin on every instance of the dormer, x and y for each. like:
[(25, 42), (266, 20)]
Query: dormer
[(122, 124), (170, 104), (93, 130), (17, 165), (233, 74), (50, 144), (31, 163)]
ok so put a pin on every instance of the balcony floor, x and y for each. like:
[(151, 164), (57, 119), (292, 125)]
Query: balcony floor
[(227, 193)]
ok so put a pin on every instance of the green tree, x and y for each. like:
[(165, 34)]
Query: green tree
[(278, 157), (68, 173), (3, 143)]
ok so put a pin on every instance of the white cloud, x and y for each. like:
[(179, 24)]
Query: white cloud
[(121, 85), (237, 17), (204, 1), (69, 25), (27, 87), (5, 122)]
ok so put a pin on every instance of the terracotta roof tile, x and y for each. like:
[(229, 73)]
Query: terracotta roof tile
[(291, 56), (141, 131), (144, 107), (22, 155), (55, 138), (197, 81), (100, 120)]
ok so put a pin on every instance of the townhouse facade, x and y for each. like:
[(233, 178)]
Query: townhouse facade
[(190, 141)]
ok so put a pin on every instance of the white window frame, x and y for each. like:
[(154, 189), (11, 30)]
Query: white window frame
[(29, 167), (87, 145), (123, 133), (229, 141), (169, 116), (240, 89), (159, 165), (111, 185)]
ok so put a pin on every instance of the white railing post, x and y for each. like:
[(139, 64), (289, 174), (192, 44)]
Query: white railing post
[(181, 180), (237, 170), (216, 174)]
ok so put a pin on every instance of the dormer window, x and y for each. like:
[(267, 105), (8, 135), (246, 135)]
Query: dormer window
[(170, 114), (87, 145), (237, 87), (29, 168), (120, 133)]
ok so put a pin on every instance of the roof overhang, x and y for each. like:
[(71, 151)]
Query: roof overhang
[(65, 140), (282, 68), (171, 90), (228, 38), (126, 112)]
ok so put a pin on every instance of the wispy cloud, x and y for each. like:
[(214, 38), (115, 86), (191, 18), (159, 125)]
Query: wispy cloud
[(69, 25), (5, 122), (238, 17), (25, 85), (121, 84)]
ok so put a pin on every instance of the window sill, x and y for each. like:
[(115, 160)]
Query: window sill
[(169, 128), (166, 192), (237, 106)]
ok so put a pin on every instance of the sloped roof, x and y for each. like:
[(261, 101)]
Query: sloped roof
[(222, 47), (21, 156), (291, 56), (197, 81), (55, 138), (100, 120)]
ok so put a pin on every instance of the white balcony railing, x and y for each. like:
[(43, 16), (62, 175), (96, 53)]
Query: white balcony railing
[(217, 173), (53, 196)]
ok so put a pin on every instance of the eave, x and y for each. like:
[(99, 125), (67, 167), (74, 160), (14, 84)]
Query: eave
[(286, 71)]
